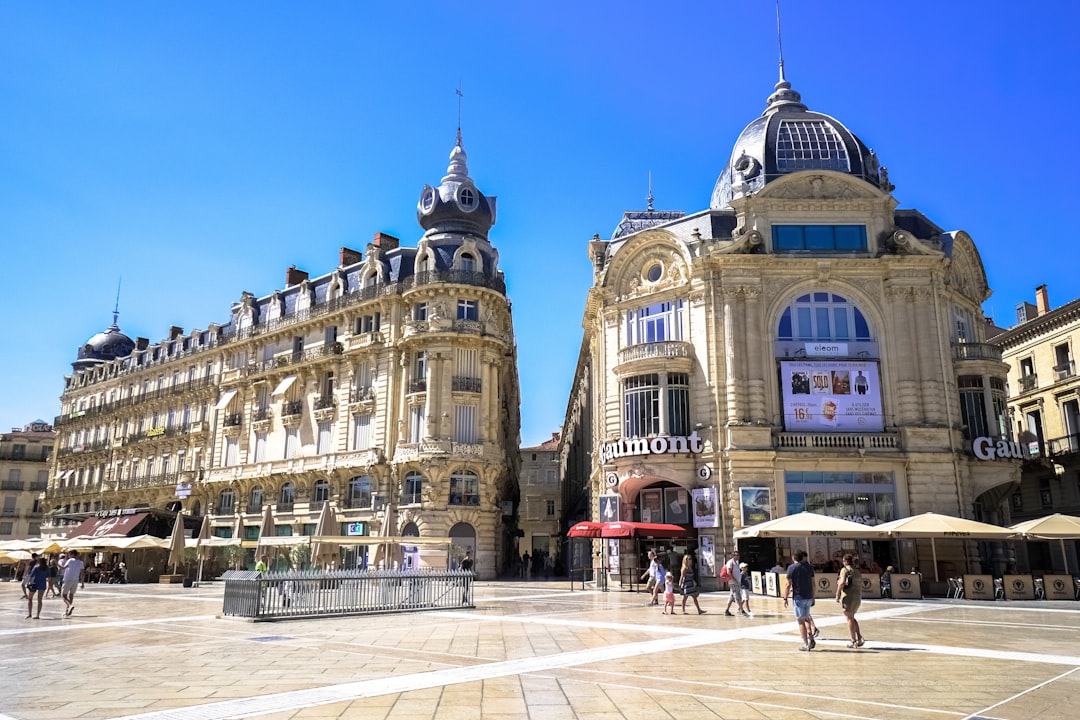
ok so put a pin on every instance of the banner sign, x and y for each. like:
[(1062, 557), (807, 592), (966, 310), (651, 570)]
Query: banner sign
[(831, 396), (756, 505)]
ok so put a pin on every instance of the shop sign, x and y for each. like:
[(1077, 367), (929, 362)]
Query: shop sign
[(183, 490), (354, 529), (117, 513), (987, 448), (627, 447), (827, 349), (155, 432)]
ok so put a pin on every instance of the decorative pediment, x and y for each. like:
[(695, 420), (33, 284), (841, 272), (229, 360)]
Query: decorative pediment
[(804, 186), (651, 264)]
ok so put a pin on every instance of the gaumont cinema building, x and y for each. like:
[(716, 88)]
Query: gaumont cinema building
[(802, 344)]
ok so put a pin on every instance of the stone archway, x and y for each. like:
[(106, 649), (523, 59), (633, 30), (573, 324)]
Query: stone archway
[(463, 536)]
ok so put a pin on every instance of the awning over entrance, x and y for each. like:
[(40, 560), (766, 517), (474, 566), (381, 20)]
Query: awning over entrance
[(284, 385), (114, 526)]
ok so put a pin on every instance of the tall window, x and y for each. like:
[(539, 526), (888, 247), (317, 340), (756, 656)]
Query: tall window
[(324, 440), (232, 451), (360, 492), (361, 436), (656, 404), (292, 442), (417, 423), (979, 418), (465, 424), (321, 491), (288, 494), (468, 264), (414, 486), (260, 447), (420, 311), (467, 310), (823, 316), (464, 489), (226, 501), (655, 323), (419, 366), (256, 500)]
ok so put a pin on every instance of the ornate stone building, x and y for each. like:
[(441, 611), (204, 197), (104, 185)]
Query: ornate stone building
[(1044, 406), (25, 456), (387, 387), (539, 489), (801, 344)]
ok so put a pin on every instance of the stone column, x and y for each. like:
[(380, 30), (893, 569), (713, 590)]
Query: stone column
[(404, 412), (754, 336), (732, 356)]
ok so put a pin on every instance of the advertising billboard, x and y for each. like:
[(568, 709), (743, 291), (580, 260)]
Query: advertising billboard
[(831, 396)]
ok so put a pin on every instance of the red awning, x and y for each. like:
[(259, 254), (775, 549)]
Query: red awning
[(639, 529), (102, 527), (584, 529)]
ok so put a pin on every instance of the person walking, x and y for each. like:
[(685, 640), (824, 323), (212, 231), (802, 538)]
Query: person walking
[(735, 583), (36, 582), (849, 595), (74, 576), (650, 573), (659, 573), (466, 567), (669, 593), (261, 566), (688, 583), (746, 586), (800, 577), (54, 574)]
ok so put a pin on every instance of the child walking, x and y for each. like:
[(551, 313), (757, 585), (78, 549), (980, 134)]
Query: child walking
[(669, 593)]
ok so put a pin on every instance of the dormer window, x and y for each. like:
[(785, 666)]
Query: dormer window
[(467, 262), (467, 198)]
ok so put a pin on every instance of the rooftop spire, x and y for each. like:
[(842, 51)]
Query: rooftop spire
[(649, 198), (783, 97), (116, 308), (458, 170)]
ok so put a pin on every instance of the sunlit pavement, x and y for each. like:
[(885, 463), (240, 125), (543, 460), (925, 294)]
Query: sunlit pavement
[(533, 650)]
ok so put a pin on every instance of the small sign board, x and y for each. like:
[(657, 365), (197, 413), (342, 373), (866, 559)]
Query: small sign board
[(1019, 587), (183, 490), (772, 585), (871, 585), (824, 586), (1058, 587), (979, 587), (756, 583), (906, 587)]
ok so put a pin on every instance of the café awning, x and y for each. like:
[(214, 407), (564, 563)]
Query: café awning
[(112, 526), (225, 399)]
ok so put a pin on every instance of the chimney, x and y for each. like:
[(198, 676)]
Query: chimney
[(1042, 300), (294, 276), (385, 241), (175, 332), (350, 257)]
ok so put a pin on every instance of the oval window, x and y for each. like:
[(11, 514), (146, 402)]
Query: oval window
[(654, 272)]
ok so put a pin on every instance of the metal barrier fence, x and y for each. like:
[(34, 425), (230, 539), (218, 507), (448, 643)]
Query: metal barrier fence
[(279, 596)]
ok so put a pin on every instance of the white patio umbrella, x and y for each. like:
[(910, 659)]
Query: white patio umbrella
[(201, 548), (1052, 527), (176, 542), (932, 525), (266, 531), (327, 525), (806, 525)]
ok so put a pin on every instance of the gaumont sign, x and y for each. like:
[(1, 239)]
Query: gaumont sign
[(987, 448), (651, 446)]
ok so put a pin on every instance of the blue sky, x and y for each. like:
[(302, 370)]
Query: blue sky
[(198, 149)]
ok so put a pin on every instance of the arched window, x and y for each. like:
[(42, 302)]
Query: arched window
[(658, 322), (359, 492), (226, 501), (821, 316), (467, 262), (321, 491), (464, 489), (413, 490), (288, 494), (256, 501)]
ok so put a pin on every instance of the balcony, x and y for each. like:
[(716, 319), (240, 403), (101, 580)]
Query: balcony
[(148, 481), (418, 386), (1064, 371), (23, 457), (1029, 382), (1068, 445), (837, 441), (233, 420), (15, 485), (976, 351), (465, 384)]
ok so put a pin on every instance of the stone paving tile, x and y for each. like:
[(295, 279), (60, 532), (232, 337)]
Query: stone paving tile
[(139, 649)]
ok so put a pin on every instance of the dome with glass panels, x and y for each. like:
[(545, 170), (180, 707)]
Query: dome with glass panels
[(789, 138)]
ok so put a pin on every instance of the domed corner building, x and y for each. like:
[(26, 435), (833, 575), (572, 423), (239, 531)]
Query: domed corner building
[(386, 387), (800, 345)]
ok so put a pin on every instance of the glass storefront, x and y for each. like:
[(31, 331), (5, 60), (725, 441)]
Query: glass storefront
[(862, 497)]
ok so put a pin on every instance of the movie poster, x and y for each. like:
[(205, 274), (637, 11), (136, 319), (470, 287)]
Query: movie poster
[(706, 507), (756, 505), (652, 510), (831, 396), (706, 556), (677, 503), (609, 508)]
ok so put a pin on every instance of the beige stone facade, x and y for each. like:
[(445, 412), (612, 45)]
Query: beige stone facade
[(386, 387), (1044, 409), (539, 510), (800, 345), (25, 456)]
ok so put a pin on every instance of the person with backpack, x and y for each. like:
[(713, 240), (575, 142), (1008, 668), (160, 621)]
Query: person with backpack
[(732, 575), (800, 587)]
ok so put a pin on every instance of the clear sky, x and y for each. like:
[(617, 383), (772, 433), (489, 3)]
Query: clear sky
[(197, 149)]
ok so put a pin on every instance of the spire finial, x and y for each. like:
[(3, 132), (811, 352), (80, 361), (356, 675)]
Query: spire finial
[(460, 96), (779, 41), (116, 308), (649, 198)]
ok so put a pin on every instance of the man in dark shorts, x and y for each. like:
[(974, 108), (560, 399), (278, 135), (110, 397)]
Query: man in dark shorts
[(801, 585)]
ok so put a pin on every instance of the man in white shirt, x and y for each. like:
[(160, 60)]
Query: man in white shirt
[(74, 571)]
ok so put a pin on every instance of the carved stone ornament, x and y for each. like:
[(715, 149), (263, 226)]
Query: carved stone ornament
[(816, 187)]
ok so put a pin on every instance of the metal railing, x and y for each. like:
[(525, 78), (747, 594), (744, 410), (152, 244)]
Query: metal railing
[(280, 596), (461, 383), (976, 351), (1029, 382), (653, 350), (1064, 370)]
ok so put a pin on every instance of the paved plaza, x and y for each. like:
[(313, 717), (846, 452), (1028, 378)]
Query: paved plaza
[(532, 650)]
